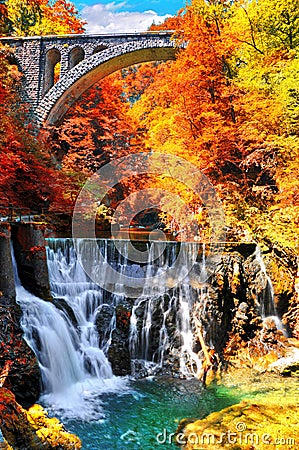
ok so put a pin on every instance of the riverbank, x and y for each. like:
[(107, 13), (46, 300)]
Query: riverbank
[(266, 417)]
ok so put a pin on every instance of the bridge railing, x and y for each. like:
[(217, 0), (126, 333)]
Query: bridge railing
[(88, 36), (12, 213)]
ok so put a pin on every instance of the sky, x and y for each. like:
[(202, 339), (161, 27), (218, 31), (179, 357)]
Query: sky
[(125, 16)]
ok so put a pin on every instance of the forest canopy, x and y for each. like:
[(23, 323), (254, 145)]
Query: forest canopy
[(229, 104)]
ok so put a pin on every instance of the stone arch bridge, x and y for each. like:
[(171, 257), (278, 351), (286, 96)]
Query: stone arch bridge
[(84, 60)]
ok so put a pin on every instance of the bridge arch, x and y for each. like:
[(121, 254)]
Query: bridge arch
[(83, 75), (99, 48), (53, 57), (76, 55)]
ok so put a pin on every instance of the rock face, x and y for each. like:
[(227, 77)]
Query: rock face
[(226, 309), (31, 258), (238, 295), (7, 283), (282, 267), (24, 376), (24, 430), (113, 323), (255, 329), (118, 353)]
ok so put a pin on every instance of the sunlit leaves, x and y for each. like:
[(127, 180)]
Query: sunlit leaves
[(97, 129), (40, 17)]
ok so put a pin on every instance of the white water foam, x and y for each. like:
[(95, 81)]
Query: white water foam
[(70, 385)]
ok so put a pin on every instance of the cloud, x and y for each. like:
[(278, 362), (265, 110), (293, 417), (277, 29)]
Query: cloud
[(103, 18)]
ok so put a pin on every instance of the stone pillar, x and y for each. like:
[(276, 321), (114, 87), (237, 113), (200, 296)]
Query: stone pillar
[(30, 253), (7, 283)]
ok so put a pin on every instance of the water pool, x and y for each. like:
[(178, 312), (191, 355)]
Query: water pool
[(146, 414)]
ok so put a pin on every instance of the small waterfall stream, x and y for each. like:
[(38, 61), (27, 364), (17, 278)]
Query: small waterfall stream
[(47, 329), (265, 299)]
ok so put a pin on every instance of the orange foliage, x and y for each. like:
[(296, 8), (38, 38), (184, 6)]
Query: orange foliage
[(96, 130), (40, 17), (64, 14)]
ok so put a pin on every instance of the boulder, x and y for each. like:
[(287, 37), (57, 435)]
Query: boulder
[(288, 365), (32, 429), (24, 374)]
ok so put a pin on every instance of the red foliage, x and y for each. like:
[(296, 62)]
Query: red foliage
[(28, 177)]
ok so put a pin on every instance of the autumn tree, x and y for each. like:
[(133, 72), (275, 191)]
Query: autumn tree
[(96, 129), (229, 102), (29, 177), (40, 17)]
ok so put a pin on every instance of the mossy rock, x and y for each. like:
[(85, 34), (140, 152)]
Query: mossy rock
[(267, 417), (32, 429), (245, 426)]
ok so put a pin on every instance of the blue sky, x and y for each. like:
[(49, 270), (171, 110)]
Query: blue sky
[(125, 16)]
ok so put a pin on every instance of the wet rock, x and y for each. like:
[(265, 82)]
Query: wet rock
[(7, 283), (281, 264), (103, 321), (288, 365), (123, 315), (24, 376), (139, 369), (62, 305), (30, 253), (32, 429), (119, 354)]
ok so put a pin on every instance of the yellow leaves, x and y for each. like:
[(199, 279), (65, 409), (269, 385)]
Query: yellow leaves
[(280, 22), (41, 17), (50, 430), (23, 14), (264, 26)]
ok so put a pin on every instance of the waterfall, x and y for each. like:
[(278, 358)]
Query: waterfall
[(72, 336), (73, 368), (69, 282), (160, 322), (158, 307), (265, 299), (161, 317)]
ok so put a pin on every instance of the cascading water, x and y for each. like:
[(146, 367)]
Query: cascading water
[(265, 299), (160, 317), (47, 329), (162, 325), (74, 370), (65, 336), (69, 282), (73, 338)]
